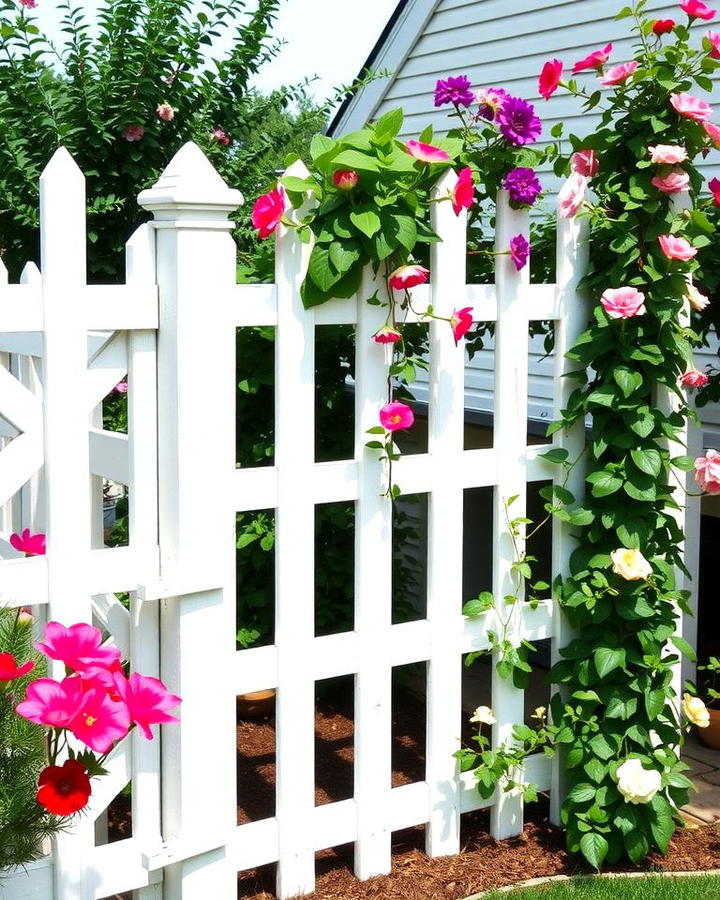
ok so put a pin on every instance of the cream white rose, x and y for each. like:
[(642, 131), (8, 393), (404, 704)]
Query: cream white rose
[(636, 784), (539, 713), (630, 564), (695, 711), (483, 715), (697, 300)]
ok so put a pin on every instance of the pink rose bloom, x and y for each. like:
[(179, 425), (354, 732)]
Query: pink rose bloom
[(165, 112), (596, 60), (549, 79), (28, 4), (345, 179), (667, 154), (268, 210), (707, 472), (406, 277), (694, 379), (674, 182), (121, 387), (623, 303), (585, 162), (79, 646), (29, 544), (713, 39), (396, 416), (696, 9), (572, 195), (713, 132), (714, 185), (101, 721), (147, 701), (52, 703), (461, 322), (691, 107), (217, 134), (386, 335), (618, 74), (676, 247), (426, 152), (134, 132), (463, 193), (10, 670)]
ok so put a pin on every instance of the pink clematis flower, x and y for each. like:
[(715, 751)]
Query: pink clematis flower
[(461, 322), (10, 670), (572, 195), (691, 107), (165, 112), (28, 4), (463, 193), (707, 472), (618, 74), (662, 26), (595, 60), (268, 210), (714, 185), (667, 154), (426, 152), (623, 302), (386, 335), (396, 416), (121, 387), (585, 162), (79, 647), (345, 179), (406, 277), (696, 9), (694, 379), (134, 133), (550, 77), (52, 703), (217, 134), (713, 39), (101, 721), (147, 700), (29, 544), (676, 247), (674, 182)]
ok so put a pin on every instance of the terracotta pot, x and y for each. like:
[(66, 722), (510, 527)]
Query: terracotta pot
[(710, 736), (256, 704)]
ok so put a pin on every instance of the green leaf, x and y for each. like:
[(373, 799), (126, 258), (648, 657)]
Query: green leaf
[(556, 455), (479, 605), (319, 268), (633, 533), (636, 845), (603, 483), (643, 422), (683, 646), (366, 221), (647, 460), (608, 659), (654, 703), (299, 185), (581, 516), (594, 848), (354, 159), (602, 747), (321, 146), (405, 230), (582, 792), (387, 126), (343, 257), (595, 770), (627, 380)]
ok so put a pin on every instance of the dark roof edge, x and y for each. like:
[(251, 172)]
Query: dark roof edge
[(369, 62)]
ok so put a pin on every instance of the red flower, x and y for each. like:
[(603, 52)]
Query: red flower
[(345, 179), (595, 60), (396, 416), (10, 670), (461, 322), (386, 335), (464, 191), (65, 789), (662, 26), (550, 78), (406, 277), (268, 210)]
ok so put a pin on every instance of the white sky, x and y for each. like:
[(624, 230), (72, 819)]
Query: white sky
[(328, 38)]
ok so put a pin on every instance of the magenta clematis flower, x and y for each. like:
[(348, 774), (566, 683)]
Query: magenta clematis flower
[(623, 302), (52, 703), (345, 179), (217, 134), (461, 322), (134, 133), (101, 721), (29, 544), (490, 101), (386, 335), (714, 185), (268, 210), (585, 162), (426, 152), (675, 181), (676, 247), (518, 123), (147, 700), (691, 107), (79, 647), (455, 89), (519, 251), (696, 9), (463, 193), (694, 379), (595, 60), (523, 185), (618, 74), (707, 472), (549, 79), (10, 670), (396, 416), (406, 277)]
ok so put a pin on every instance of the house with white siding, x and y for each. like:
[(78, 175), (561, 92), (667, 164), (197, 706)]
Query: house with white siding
[(501, 43)]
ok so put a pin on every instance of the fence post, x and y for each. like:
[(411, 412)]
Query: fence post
[(571, 263), (196, 262)]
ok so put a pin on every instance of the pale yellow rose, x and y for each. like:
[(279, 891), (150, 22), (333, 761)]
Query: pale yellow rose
[(695, 711), (539, 713), (630, 564), (483, 715), (697, 300), (636, 784)]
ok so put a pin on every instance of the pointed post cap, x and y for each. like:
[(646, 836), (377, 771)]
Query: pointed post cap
[(190, 188)]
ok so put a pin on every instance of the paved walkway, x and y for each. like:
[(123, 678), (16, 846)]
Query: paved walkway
[(704, 806)]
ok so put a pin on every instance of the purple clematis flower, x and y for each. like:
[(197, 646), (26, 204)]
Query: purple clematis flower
[(519, 251), (518, 123), (523, 186), (455, 89)]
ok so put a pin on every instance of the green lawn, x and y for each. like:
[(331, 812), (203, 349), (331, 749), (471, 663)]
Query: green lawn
[(706, 887)]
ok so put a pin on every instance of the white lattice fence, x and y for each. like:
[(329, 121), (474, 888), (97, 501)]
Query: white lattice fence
[(180, 563)]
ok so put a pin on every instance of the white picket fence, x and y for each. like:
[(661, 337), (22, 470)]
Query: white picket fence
[(171, 328)]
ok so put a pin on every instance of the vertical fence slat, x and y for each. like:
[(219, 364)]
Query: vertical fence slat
[(294, 568), (33, 492), (445, 528), (510, 441), (196, 463), (373, 600), (67, 454), (571, 263)]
